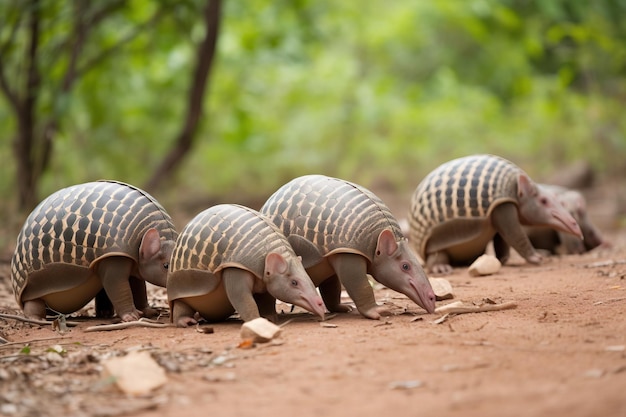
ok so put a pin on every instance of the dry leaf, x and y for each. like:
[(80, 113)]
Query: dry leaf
[(246, 344)]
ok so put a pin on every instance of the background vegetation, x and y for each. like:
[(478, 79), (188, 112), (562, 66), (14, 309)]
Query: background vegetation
[(365, 90)]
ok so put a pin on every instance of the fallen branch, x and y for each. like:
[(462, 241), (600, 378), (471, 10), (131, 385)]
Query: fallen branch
[(127, 324), (33, 321), (610, 300), (28, 342), (459, 308)]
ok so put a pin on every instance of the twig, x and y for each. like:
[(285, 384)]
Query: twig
[(455, 308), (33, 321), (27, 342), (125, 325), (610, 300)]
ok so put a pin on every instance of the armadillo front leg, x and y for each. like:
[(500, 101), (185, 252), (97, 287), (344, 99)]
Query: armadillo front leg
[(140, 297), (114, 273), (438, 263), (351, 269), (239, 284), (183, 314), (330, 290), (266, 304), (505, 220), (104, 306), (35, 309)]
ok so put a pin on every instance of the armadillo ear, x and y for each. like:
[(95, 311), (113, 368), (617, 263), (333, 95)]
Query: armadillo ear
[(525, 186), (150, 244), (387, 244), (275, 264)]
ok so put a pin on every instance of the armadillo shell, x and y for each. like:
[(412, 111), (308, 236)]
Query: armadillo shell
[(466, 188), (81, 224), (225, 235), (333, 214)]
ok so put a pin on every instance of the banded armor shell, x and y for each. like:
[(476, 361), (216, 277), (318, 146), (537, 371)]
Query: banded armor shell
[(327, 221), (228, 236), (464, 188), (80, 225), (337, 216)]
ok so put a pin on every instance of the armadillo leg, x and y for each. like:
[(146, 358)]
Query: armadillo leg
[(114, 273), (501, 248), (505, 220), (330, 290), (104, 306), (438, 263), (182, 314), (351, 270), (35, 309), (140, 297), (239, 284), (267, 306)]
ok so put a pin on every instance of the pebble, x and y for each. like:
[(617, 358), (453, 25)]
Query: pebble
[(136, 373), (259, 330), (484, 265), (442, 288)]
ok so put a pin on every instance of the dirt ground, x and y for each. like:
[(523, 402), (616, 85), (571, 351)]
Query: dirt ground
[(560, 352)]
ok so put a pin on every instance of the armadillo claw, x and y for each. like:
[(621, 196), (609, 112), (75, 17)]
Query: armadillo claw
[(130, 316), (374, 313), (150, 312), (441, 269), (535, 258), (185, 321), (340, 308)]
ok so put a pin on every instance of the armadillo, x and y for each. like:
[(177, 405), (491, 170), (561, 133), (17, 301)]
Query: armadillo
[(554, 241), (227, 256), (343, 232), (102, 235), (462, 205)]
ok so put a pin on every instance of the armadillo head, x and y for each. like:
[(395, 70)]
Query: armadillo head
[(540, 207), (287, 280), (396, 266), (154, 257), (575, 204)]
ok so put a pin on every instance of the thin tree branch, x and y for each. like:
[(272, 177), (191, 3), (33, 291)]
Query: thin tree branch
[(4, 85), (8, 92), (24, 140), (205, 54), (109, 51)]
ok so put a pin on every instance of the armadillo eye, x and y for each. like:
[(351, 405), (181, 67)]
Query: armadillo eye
[(406, 266), (166, 265)]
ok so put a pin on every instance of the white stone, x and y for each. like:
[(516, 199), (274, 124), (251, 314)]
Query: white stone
[(484, 265), (136, 373), (259, 330), (442, 288)]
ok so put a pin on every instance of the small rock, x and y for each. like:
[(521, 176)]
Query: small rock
[(8, 409), (136, 373), (411, 384), (484, 265), (259, 330), (442, 288), (594, 373)]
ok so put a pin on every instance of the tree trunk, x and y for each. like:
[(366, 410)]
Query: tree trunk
[(205, 54), (24, 149)]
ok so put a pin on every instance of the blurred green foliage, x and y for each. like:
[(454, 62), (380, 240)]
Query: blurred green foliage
[(361, 90)]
